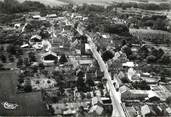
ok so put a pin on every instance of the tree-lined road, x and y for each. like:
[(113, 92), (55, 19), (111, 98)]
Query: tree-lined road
[(116, 100), (116, 103)]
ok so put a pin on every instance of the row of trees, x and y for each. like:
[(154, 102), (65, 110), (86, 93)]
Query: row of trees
[(155, 22), (13, 6), (154, 36), (149, 54), (145, 6)]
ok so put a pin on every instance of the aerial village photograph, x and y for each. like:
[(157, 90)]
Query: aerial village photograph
[(85, 58)]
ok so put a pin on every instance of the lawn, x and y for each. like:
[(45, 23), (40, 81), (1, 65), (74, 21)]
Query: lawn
[(30, 104)]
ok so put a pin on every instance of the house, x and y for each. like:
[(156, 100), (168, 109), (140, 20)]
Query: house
[(43, 18), (36, 42), (131, 73), (132, 112), (123, 89), (127, 94), (36, 16), (24, 46), (97, 108), (46, 45), (106, 101), (117, 82), (51, 16), (49, 58), (37, 46), (147, 111), (34, 39), (152, 96), (17, 25), (85, 62), (168, 111), (128, 64), (159, 109)]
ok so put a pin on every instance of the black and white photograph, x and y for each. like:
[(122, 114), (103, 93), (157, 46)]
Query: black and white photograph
[(85, 58)]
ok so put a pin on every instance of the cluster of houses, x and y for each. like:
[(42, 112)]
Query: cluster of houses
[(67, 52), (131, 97)]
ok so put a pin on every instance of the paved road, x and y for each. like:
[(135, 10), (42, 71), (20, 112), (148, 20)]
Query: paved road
[(116, 102), (30, 104), (117, 108)]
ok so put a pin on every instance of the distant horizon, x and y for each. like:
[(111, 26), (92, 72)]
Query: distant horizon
[(53, 3)]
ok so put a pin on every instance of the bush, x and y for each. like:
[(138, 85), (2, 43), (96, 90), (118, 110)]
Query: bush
[(28, 88), (48, 81)]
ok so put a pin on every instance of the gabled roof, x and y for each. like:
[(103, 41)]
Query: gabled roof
[(51, 15), (49, 53), (123, 89), (36, 16), (168, 110), (36, 36), (128, 64), (152, 94), (145, 110), (139, 92)]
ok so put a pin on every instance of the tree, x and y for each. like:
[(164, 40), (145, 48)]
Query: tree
[(41, 66), (63, 59), (141, 85), (2, 48), (165, 59), (151, 59), (81, 86), (20, 62), (27, 86), (3, 58), (32, 57), (127, 50), (80, 74), (160, 53), (56, 61), (118, 29), (11, 58), (26, 62), (107, 55), (125, 80), (14, 50), (168, 100), (90, 82), (1, 66), (44, 34), (143, 52)]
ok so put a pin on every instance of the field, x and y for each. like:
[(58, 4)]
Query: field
[(29, 103), (78, 2), (95, 2)]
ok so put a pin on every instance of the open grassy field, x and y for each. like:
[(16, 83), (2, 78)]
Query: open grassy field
[(30, 104)]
